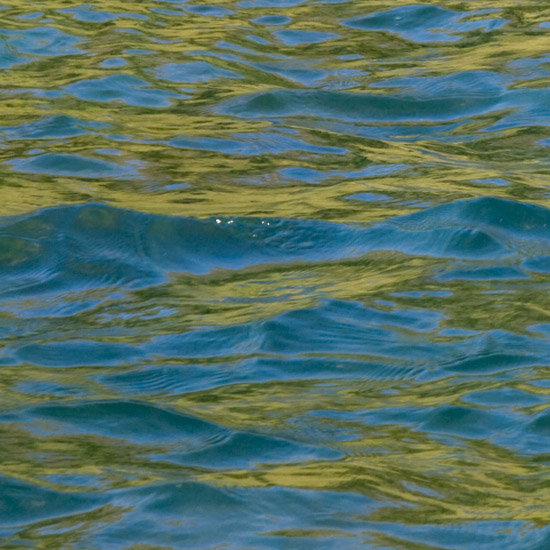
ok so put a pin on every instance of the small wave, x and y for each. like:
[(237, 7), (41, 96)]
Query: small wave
[(426, 23), (102, 245)]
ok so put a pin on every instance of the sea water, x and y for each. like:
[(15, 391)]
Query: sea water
[(274, 274)]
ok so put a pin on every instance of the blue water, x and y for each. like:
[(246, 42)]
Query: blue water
[(274, 274)]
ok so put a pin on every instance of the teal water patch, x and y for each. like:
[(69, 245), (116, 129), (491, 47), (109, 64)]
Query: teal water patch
[(199, 71), (26, 502), (359, 107), (369, 197), (86, 12), (209, 11), (272, 20), (295, 37), (425, 23), (72, 165), (55, 127), (254, 144), (113, 63), (24, 45), (124, 88)]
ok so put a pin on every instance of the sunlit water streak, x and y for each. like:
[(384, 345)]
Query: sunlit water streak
[(274, 274)]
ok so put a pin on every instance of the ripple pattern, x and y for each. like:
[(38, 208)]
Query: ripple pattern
[(274, 274)]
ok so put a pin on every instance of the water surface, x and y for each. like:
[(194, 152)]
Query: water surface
[(274, 274)]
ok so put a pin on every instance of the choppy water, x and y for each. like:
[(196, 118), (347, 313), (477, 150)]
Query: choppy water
[(274, 275)]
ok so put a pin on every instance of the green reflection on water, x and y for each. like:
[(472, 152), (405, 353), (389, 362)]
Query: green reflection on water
[(193, 159)]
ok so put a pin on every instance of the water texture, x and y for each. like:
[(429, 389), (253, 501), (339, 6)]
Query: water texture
[(274, 274)]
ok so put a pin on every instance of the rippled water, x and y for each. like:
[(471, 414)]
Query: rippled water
[(274, 274)]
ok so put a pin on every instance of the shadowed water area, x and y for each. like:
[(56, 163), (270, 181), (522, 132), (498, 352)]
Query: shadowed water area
[(274, 274)]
